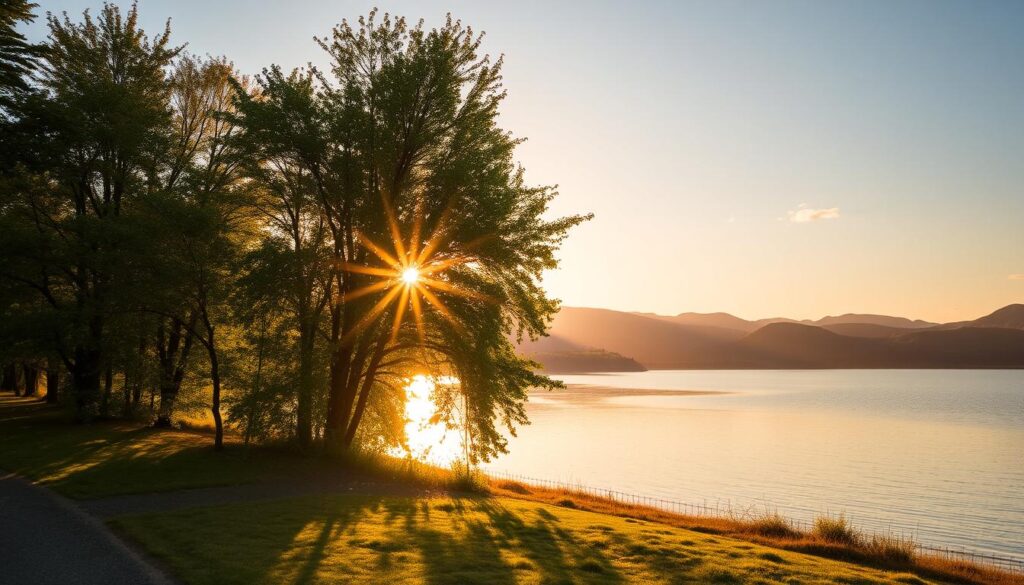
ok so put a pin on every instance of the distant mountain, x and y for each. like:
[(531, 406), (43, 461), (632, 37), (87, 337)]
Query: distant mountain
[(721, 340), (559, 355), (653, 342), (967, 347), (580, 362), (1010, 317), (794, 345), (728, 321), (868, 319), (865, 330), (723, 320)]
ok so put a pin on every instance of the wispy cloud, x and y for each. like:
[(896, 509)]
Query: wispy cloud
[(804, 214), (1017, 277)]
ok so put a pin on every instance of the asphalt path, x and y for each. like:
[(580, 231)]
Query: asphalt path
[(46, 539)]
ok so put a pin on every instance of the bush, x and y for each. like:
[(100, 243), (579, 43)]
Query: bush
[(836, 529), (467, 478), (773, 525), (514, 487), (894, 549)]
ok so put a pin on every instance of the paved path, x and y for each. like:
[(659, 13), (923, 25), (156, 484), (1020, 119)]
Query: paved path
[(45, 539)]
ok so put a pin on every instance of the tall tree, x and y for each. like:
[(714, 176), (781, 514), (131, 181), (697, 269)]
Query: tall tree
[(96, 132), (206, 212), (415, 179), (18, 57), (292, 263)]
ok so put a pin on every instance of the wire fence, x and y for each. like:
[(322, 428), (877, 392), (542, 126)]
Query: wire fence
[(753, 512)]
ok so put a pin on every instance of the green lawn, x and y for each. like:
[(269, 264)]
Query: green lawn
[(371, 538), (109, 458), (430, 541)]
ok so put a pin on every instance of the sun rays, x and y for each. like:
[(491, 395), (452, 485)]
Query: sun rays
[(411, 274)]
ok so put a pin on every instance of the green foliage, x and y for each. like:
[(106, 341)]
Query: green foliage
[(178, 228), (401, 146), (18, 57)]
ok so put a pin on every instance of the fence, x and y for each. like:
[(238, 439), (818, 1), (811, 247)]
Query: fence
[(726, 510)]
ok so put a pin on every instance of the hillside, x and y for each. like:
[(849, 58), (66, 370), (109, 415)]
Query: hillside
[(966, 347), (1010, 317), (655, 343), (585, 362), (869, 330), (725, 320), (792, 345), (868, 319), (721, 340)]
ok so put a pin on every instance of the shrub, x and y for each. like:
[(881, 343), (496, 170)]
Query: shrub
[(894, 549), (773, 525), (514, 487), (836, 529)]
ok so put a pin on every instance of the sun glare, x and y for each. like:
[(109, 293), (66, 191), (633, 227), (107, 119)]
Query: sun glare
[(427, 439), (410, 275)]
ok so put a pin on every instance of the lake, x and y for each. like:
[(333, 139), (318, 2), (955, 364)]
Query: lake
[(937, 454)]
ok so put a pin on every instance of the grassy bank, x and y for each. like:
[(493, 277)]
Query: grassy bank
[(366, 539), (506, 532)]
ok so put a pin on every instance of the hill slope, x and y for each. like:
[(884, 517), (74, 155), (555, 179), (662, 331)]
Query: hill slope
[(1010, 317), (653, 342), (721, 340)]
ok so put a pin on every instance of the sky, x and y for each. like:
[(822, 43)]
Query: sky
[(785, 158)]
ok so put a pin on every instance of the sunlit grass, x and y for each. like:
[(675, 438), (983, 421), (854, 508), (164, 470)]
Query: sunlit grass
[(882, 551), (836, 529), (112, 458), (360, 539), (90, 461)]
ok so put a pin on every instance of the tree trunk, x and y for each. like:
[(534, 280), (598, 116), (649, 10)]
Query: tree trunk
[(108, 387), (126, 410), (168, 394), (304, 414), (31, 380), (211, 349), (52, 380), (172, 354), (9, 380), (364, 395), (86, 381)]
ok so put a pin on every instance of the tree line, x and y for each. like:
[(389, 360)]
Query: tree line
[(284, 249)]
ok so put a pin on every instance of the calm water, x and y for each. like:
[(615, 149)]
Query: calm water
[(938, 454)]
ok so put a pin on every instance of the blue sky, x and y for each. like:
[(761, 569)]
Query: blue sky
[(698, 131)]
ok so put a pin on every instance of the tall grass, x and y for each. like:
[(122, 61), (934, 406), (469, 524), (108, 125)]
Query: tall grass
[(895, 549), (772, 525), (831, 537), (836, 529)]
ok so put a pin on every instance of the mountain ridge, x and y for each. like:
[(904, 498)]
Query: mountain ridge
[(719, 340)]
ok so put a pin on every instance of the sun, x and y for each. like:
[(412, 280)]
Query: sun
[(410, 275)]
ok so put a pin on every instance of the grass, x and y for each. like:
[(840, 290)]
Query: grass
[(882, 551), (446, 540), (837, 529), (107, 459), (114, 458)]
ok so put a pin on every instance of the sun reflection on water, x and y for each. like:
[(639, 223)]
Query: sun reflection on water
[(428, 438)]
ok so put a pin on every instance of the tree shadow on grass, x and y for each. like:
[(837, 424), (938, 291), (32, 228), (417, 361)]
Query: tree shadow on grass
[(478, 540), (111, 458)]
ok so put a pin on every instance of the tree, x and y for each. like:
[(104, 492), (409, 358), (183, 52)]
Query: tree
[(292, 263), (18, 57), (411, 172), (91, 139), (207, 215)]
